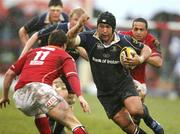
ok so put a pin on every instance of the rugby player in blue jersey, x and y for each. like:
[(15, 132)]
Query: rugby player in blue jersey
[(115, 88)]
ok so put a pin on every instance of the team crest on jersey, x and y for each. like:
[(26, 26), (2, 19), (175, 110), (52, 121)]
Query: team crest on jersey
[(106, 55), (134, 41), (113, 49)]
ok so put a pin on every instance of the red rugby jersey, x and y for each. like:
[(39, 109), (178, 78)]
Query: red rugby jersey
[(139, 72), (44, 65)]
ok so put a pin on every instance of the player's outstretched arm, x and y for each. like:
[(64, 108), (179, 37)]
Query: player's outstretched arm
[(75, 29), (70, 71), (155, 61), (8, 78), (82, 53), (23, 35), (29, 43), (72, 34)]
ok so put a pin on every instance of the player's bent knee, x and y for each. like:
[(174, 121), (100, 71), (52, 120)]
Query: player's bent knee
[(134, 105)]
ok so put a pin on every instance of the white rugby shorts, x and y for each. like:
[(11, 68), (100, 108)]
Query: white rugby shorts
[(36, 98)]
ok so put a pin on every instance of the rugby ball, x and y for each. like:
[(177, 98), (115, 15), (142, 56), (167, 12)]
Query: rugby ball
[(127, 52)]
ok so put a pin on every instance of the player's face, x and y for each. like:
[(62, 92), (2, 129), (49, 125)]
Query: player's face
[(54, 12), (139, 31), (74, 19), (105, 33)]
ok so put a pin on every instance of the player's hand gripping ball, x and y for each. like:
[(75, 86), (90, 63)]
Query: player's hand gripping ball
[(127, 52)]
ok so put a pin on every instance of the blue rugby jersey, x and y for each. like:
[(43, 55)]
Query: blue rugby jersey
[(42, 21), (108, 74)]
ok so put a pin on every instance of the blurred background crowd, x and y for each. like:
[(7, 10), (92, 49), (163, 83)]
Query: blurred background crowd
[(163, 24)]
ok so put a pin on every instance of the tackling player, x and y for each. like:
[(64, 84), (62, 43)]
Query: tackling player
[(140, 32), (54, 15), (43, 35), (34, 94)]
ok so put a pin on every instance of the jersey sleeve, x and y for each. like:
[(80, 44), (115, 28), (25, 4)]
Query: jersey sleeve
[(47, 31), (32, 25), (18, 66), (70, 71), (44, 33)]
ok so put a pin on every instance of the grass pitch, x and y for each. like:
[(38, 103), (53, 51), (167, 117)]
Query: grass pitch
[(167, 112)]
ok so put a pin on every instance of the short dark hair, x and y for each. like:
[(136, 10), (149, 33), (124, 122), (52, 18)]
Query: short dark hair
[(107, 18), (141, 20), (55, 3), (57, 38)]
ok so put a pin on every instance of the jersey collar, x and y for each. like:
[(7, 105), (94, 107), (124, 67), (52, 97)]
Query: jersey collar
[(116, 39)]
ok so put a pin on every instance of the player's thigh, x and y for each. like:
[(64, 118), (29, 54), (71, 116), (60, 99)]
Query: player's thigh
[(36, 98), (134, 105)]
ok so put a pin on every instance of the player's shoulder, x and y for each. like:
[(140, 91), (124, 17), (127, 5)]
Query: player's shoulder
[(90, 32), (63, 26), (150, 36), (65, 17), (36, 49), (56, 52), (152, 39), (124, 37), (63, 55), (41, 17), (62, 52)]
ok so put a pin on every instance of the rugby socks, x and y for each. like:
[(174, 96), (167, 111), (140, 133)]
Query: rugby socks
[(43, 125), (137, 120), (151, 123), (79, 130)]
